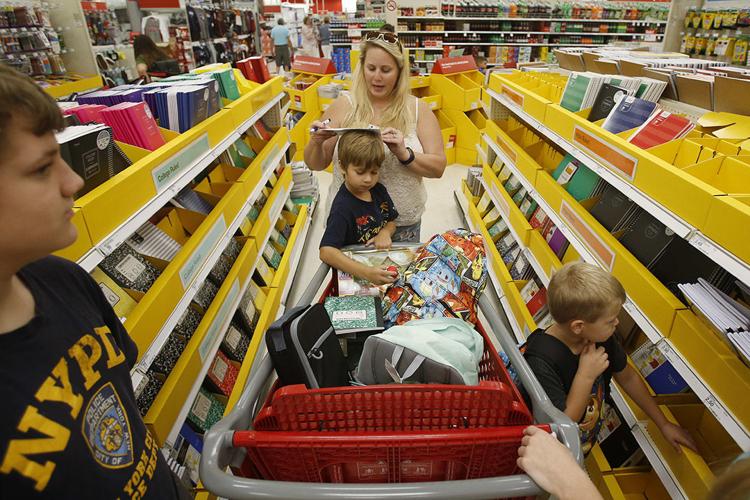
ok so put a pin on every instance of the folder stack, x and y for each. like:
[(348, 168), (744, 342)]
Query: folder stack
[(581, 91), (182, 107)]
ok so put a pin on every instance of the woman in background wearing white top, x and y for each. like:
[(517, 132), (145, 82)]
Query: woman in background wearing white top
[(380, 96), (309, 38)]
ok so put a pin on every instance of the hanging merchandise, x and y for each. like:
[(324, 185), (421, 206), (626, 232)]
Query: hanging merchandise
[(156, 27)]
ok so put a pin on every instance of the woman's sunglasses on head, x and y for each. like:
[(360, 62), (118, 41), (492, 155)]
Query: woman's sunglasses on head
[(386, 36)]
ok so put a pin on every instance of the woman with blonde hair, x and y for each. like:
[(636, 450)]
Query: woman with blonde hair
[(411, 133), (309, 38)]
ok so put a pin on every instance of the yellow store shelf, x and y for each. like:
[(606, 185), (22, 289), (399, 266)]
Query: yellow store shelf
[(269, 214), (118, 207), (463, 88), (270, 308), (172, 397), (156, 306), (307, 99), (282, 274), (83, 84), (246, 106)]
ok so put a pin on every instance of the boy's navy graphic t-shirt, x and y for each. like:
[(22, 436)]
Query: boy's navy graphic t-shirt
[(353, 221)]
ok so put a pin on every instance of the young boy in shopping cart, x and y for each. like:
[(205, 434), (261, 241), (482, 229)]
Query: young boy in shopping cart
[(577, 356), (362, 213)]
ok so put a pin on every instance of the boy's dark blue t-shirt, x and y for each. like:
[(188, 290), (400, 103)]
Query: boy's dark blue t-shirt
[(353, 221)]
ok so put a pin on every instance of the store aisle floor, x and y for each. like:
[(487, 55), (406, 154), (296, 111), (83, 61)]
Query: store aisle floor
[(441, 214)]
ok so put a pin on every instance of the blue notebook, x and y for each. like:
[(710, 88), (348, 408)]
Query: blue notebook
[(630, 113)]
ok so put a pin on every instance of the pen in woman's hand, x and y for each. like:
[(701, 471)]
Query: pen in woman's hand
[(324, 122)]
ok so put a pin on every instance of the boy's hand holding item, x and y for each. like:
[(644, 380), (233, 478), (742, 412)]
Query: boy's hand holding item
[(380, 275), (382, 241)]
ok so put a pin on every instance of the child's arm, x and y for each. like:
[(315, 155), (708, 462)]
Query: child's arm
[(382, 240), (336, 259), (592, 363), (632, 384)]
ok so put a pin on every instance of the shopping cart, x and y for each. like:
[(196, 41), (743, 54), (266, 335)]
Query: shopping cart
[(225, 442)]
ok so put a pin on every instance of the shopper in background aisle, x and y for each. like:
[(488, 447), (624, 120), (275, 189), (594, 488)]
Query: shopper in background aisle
[(70, 427), (309, 38), (282, 44), (147, 55), (324, 30), (380, 96), (576, 358)]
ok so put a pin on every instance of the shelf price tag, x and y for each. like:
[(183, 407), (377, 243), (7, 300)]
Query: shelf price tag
[(514, 96), (595, 244), (166, 173), (215, 329), (608, 155), (200, 254)]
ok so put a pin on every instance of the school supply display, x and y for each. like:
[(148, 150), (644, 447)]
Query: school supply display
[(134, 124), (661, 128)]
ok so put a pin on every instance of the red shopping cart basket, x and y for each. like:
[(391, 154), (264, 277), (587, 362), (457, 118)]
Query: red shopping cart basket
[(382, 457), (334, 434)]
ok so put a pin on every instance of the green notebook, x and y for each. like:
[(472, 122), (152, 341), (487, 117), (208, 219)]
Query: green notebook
[(578, 179), (575, 92), (355, 313)]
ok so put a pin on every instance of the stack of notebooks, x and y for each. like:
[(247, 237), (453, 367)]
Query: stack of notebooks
[(86, 113), (728, 317), (305, 183), (202, 80), (91, 152), (579, 180), (116, 95), (581, 91), (133, 123), (254, 69), (593, 90), (182, 107), (661, 128), (631, 112), (534, 296)]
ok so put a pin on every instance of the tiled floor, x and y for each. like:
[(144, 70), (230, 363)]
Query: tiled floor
[(441, 214)]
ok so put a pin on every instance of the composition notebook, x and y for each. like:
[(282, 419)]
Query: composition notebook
[(355, 314)]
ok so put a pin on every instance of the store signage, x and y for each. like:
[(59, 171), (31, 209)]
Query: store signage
[(200, 254), (512, 95), (159, 4), (313, 65), (227, 307), (507, 149), (166, 173), (451, 65), (601, 251), (608, 155)]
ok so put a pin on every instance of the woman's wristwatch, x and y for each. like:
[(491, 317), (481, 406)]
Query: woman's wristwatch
[(410, 158)]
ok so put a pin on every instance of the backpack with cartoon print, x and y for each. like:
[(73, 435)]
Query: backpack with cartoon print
[(446, 279)]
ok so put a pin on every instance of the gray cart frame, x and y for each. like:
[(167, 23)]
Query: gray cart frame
[(218, 452)]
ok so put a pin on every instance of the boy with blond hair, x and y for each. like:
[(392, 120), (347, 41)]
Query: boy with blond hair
[(577, 356), (362, 211)]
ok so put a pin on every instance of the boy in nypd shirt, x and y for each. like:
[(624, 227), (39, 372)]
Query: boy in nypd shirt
[(70, 427), (362, 211)]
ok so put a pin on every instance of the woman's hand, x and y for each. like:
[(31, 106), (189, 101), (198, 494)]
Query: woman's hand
[(394, 139), (318, 132)]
